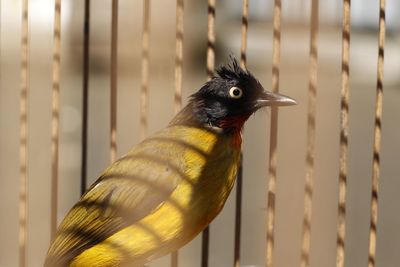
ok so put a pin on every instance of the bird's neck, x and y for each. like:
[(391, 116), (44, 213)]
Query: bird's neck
[(233, 126), (229, 125)]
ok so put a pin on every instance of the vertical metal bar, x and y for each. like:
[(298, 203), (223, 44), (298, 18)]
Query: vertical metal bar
[(0, 31), (210, 39), (273, 135), (85, 96), (312, 99), (238, 215), (377, 138), (344, 128), (144, 90), (239, 178), (174, 258), (179, 55), (178, 79), (23, 134), (245, 25), (210, 72), (114, 79), (205, 243), (55, 116)]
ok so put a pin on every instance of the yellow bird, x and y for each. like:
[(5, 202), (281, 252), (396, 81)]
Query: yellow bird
[(169, 187)]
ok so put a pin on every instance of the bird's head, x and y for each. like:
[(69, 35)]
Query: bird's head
[(231, 96)]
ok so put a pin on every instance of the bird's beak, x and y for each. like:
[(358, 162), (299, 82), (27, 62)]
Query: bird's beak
[(274, 99)]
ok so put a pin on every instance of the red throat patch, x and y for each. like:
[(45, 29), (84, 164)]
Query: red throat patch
[(235, 124)]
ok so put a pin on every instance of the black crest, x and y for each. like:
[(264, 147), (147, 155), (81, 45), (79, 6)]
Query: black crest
[(233, 71)]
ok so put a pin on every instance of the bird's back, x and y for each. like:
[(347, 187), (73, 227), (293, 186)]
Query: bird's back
[(150, 202)]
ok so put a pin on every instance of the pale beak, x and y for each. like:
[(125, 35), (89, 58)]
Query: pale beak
[(274, 99)]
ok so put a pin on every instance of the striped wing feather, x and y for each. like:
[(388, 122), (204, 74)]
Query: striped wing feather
[(128, 190)]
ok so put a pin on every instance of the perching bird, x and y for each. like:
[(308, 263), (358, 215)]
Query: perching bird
[(169, 187)]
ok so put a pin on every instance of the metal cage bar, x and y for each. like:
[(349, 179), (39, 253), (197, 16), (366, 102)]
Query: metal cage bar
[(239, 178), (55, 120), (205, 246), (312, 101), (344, 128), (85, 95), (144, 89), (23, 137), (377, 138), (114, 80), (179, 56), (272, 164), (178, 78)]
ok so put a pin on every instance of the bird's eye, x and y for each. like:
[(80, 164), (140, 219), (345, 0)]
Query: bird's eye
[(235, 92)]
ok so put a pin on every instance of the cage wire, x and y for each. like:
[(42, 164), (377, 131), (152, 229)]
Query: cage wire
[(344, 124)]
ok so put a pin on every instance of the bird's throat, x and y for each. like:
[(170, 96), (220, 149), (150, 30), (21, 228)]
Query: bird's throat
[(233, 125)]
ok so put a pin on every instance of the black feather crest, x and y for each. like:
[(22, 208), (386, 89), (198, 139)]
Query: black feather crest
[(232, 70)]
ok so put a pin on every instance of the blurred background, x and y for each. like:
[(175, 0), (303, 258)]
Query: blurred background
[(291, 130)]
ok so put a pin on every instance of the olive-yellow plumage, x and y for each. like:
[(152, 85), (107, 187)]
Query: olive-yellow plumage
[(169, 187), (184, 214)]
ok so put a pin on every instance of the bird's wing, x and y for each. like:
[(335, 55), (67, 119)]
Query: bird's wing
[(129, 189)]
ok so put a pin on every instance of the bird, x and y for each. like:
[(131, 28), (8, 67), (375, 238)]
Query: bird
[(170, 186)]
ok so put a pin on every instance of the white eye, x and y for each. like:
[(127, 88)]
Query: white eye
[(235, 92)]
